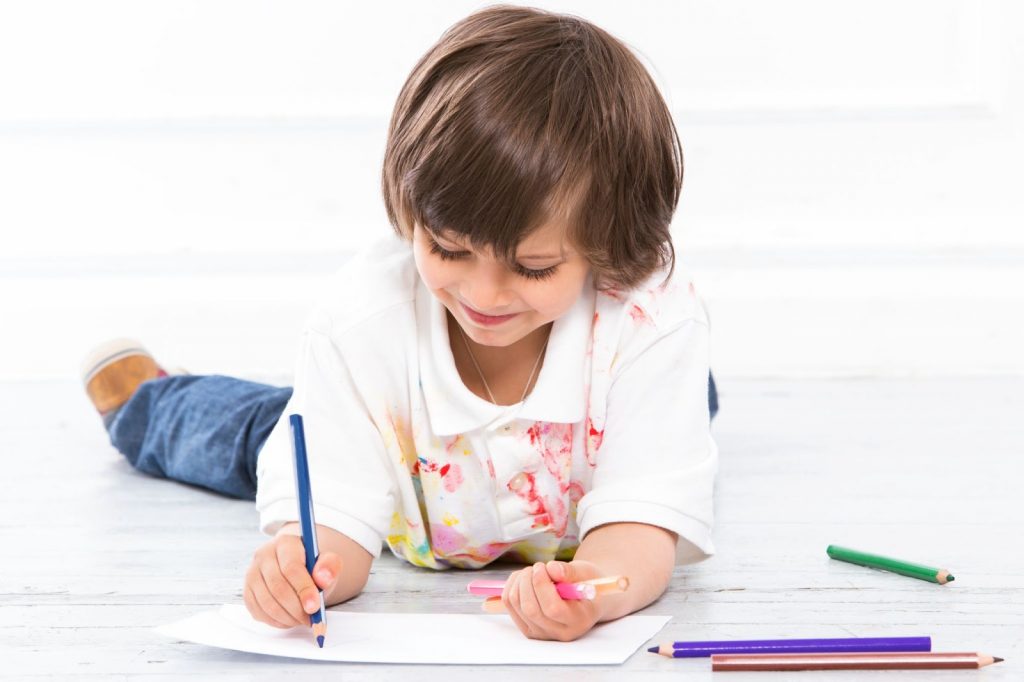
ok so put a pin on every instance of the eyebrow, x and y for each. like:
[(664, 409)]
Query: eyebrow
[(446, 235)]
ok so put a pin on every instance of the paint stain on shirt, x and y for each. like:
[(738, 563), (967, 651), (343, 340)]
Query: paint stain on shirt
[(639, 315)]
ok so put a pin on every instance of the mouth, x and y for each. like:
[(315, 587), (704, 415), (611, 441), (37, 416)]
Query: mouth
[(488, 320)]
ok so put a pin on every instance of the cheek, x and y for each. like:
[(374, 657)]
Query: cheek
[(555, 298), (433, 273)]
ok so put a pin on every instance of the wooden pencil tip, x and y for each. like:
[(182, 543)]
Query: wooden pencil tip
[(320, 640), (996, 659), (950, 578), (654, 649)]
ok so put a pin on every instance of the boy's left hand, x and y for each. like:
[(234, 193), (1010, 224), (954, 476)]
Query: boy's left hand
[(534, 605)]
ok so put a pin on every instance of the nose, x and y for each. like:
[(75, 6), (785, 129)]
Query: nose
[(486, 291)]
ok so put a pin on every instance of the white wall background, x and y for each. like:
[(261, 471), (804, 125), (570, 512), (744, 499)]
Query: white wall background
[(187, 171)]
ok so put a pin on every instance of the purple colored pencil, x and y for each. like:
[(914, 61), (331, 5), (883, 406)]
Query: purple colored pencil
[(793, 646)]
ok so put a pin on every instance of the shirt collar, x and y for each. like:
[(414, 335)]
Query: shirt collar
[(557, 396)]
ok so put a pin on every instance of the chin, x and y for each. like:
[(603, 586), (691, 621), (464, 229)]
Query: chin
[(488, 337)]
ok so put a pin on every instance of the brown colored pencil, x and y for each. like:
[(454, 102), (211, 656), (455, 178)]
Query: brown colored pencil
[(858, 661)]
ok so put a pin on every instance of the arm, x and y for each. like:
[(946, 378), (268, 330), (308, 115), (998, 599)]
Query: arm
[(647, 562), (651, 485), (353, 486)]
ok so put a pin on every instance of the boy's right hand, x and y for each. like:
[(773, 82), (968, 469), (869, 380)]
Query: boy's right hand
[(278, 589)]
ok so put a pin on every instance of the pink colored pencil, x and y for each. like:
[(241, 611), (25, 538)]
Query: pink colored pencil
[(587, 589), (493, 588)]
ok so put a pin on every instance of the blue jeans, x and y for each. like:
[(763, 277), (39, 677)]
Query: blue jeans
[(208, 430), (203, 430)]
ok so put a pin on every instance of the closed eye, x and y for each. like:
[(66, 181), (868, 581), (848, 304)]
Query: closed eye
[(528, 273), (445, 254), (535, 274)]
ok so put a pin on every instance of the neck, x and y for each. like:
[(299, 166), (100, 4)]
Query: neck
[(506, 368)]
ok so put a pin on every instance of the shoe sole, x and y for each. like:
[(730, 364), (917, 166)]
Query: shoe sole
[(107, 353), (112, 372)]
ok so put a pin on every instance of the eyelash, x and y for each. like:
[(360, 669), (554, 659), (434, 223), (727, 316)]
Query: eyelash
[(537, 275)]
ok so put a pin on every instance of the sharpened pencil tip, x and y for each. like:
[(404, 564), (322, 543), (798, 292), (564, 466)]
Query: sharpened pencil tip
[(996, 659), (654, 649), (950, 578), (320, 640)]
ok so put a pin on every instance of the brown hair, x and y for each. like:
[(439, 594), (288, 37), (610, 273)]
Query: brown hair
[(519, 116)]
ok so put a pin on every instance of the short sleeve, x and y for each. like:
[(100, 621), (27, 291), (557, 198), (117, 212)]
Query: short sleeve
[(353, 489), (657, 460)]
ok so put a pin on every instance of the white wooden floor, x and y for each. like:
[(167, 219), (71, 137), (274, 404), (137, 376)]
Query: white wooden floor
[(93, 555)]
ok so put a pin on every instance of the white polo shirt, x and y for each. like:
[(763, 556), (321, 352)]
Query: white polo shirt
[(401, 452)]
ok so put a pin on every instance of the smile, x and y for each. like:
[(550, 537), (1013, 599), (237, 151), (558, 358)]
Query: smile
[(489, 320)]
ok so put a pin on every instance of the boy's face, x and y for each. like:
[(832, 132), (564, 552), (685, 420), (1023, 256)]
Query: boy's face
[(497, 305)]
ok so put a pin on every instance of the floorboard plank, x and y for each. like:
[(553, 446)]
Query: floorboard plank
[(95, 554)]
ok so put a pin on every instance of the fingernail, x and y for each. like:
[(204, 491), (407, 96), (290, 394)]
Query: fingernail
[(311, 605), (325, 576)]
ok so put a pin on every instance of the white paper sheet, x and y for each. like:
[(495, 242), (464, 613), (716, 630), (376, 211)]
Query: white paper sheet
[(445, 638)]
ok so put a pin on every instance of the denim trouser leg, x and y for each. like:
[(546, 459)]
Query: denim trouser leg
[(203, 430)]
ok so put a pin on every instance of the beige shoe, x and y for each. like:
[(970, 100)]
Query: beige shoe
[(112, 372)]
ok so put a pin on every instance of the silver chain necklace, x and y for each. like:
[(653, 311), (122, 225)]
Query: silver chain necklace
[(526, 389)]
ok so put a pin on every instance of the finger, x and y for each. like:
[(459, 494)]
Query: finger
[(281, 590), (300, 592), (251, 603), (510, 598), (327, 569), (529, 603), (559, 571), (275, 614), (552, 606), (256, 611), (251, 606), (571, 572)]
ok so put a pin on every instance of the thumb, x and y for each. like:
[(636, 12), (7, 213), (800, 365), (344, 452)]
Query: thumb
[(572, 572), (326, 570)]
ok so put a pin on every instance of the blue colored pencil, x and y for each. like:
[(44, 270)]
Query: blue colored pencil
[(793, 646), (317, 620)]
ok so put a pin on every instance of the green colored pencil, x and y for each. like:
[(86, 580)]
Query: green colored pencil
[(853, 556)]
